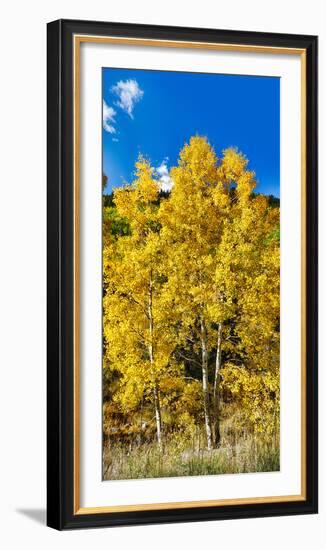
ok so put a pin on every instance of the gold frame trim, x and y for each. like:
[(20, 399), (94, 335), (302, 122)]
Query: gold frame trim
[(77, 41)]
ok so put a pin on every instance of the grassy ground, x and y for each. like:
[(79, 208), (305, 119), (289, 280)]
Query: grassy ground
[(249, 454)]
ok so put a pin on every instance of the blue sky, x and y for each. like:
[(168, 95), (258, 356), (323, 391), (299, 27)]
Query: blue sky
[(156, 112)]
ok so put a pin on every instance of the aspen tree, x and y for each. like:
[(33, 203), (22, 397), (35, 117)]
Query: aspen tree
[(136, 330)]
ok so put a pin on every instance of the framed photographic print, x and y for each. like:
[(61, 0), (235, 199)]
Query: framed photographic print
[(182, 274)]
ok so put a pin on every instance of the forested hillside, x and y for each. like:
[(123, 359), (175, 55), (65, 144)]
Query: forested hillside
[(191, 320)]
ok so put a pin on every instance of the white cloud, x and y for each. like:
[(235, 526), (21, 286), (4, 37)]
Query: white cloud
[(115, 139), (165, 180), (129, 93), (108, 118)]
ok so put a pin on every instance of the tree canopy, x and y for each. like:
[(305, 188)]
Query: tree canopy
[(191, 301)]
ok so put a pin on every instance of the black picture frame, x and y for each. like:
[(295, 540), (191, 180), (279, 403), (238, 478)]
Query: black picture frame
[(60, 264)]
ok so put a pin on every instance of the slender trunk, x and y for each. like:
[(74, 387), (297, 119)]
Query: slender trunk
[(204, 354), (158, 417), (216, 391)]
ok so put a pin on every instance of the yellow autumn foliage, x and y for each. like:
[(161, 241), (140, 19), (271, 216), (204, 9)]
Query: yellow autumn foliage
[(191, 300)]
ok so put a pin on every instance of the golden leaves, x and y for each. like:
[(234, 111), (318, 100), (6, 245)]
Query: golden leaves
[(209, 251)]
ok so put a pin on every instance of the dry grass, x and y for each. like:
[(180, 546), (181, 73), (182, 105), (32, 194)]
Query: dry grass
[(248, 454)]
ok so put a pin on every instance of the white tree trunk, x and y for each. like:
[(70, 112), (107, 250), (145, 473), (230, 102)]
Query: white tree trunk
[(208, 425), (216, 392), (158, 417)]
